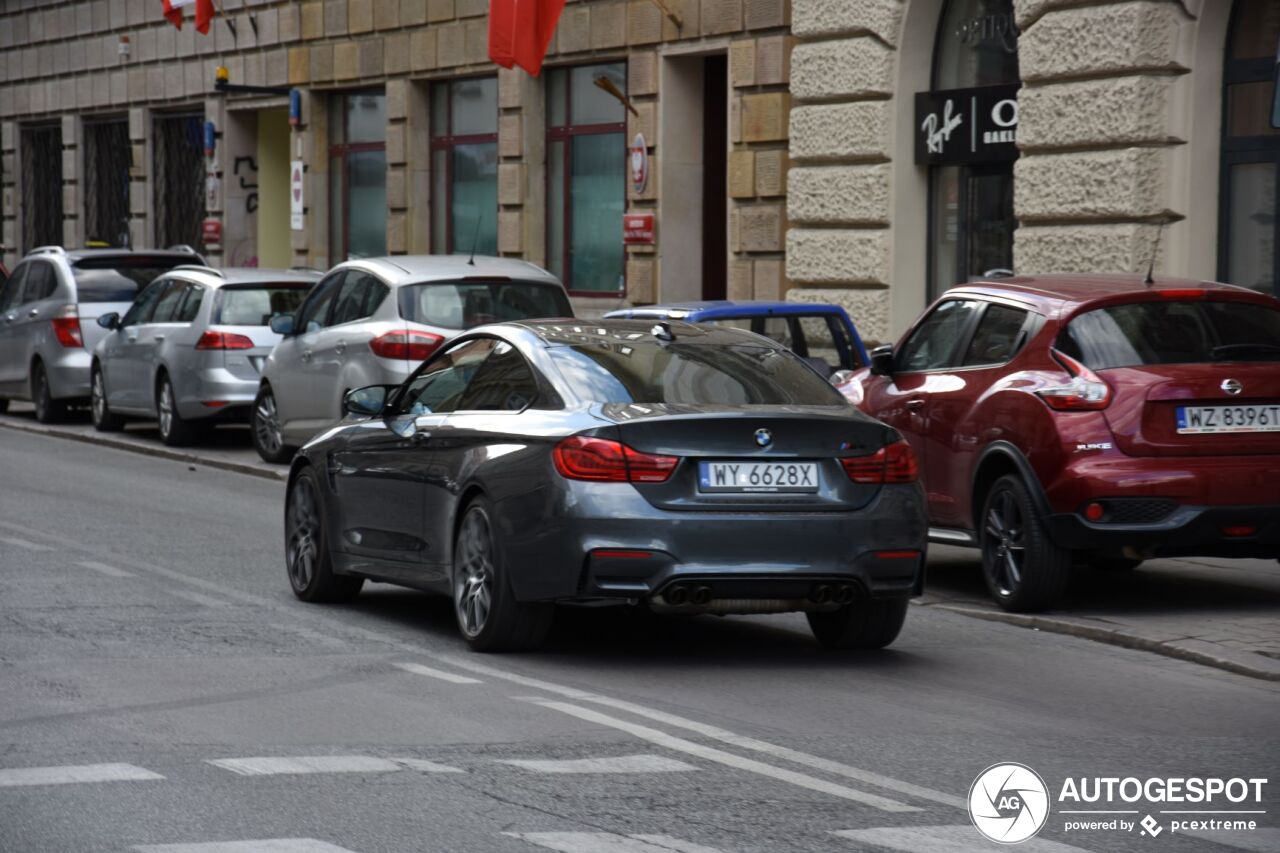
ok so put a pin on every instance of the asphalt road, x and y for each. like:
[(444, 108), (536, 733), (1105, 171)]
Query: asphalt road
[(161, 689)]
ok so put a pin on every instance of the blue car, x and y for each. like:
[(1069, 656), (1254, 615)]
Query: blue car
[(820, 333)]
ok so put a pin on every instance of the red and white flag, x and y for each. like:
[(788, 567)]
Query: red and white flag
[(520, 31), (204, 12)]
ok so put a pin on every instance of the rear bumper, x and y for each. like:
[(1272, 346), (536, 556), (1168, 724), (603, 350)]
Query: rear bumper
[(68, 372), (218, 385), (566, 556), (1189, 531)]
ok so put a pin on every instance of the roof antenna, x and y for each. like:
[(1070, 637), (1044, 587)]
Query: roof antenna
[(1154, 252), (475, 239)]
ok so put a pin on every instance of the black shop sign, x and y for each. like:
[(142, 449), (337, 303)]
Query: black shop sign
[(959, 127)]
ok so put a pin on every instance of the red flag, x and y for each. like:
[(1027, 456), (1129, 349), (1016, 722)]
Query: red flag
[(173, 11), (204, 14), (520, 31)]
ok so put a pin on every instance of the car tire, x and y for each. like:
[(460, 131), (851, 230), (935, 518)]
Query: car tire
[(867, 623), (48, 410), (308, 560), (1022, 567), (264, 427), (484, 604), (103, 419), (174, 431)]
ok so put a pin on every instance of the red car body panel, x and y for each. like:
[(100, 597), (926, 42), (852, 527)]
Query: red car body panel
[(963, 421)]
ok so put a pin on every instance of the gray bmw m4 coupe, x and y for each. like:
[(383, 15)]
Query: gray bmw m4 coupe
[(690, 469)]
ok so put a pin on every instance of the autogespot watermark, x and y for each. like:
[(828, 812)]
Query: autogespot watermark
[(1010, 803)]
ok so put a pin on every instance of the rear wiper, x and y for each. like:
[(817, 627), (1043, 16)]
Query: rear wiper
[(1259, 348)]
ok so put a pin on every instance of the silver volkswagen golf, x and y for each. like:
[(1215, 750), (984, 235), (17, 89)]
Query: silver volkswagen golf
[(373, 321), (190, 349)]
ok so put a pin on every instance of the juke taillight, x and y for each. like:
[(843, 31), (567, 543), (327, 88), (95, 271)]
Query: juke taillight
[(893, 463), (581, 457), (1086, 392)]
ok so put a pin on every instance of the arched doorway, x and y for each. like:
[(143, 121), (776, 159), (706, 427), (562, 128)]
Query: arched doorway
[(1249, 219), (966, 133)]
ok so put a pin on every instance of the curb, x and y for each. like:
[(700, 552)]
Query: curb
[(147, 450), (1116, 637)]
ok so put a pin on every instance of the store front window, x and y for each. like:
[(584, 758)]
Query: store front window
[(586, 177), (966, 133), (1249, 226), (464, 166), (357, 176)]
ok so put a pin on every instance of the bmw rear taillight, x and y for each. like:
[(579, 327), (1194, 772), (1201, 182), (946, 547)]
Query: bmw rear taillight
[(581, 457), (224, 340), (67, 331), (893, 463), (1086, 392), (409, 345)]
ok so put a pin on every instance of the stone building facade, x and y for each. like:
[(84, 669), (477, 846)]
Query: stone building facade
[(870, 152)]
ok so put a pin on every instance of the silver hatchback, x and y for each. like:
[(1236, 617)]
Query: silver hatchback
[(190, 350), (373, 321)]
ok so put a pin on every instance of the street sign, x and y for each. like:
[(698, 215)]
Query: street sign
[(639, 160), (211, 232), (296, 170), (637, 229)]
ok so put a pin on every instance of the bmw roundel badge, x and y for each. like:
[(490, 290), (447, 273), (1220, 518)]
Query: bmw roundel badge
[(764, 438)]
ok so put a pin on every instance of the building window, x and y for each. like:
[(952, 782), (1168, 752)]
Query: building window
[(586, 178), (966, 128), (464, 166), (41, 186), (179, 179), (357, 176), (107, 156), (1249, 217)]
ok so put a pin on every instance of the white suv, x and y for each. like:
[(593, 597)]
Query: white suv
[(372, 321)]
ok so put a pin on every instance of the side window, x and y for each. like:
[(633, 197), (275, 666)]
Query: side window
[(41, 282), (9, 294), (140, 310), (314, 312), (191, 305), (349, 305), (504, 383), (373, 296), (997, 337), (439, 383), (934, 341), (169, 302)]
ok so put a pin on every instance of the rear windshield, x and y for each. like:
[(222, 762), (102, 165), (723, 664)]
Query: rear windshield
[(464, 304), (255, 306), (1173, 332), (119, 279), (690, 373)]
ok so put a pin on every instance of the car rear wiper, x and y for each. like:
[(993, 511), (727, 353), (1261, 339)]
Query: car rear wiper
[(1230, 349)]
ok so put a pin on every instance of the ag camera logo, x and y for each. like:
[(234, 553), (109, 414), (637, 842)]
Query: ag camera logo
[(1008, 803)]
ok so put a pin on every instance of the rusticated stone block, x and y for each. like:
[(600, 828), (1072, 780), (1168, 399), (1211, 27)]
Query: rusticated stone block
[(422, 49), (644, 22), (768, 279), (299, 65), (869, 308), (509, 80), (277, 25), (397, 233), (1116, 247), (386, 14), (277, 67), (397, 188), (773, 60), (312, 21), (440, 10), (852, 256), (762, 14), (839, 195), (359, 16), (858, 131), (764, 117), (641, 275), (346, 60), (742, 63), (642, 73), (739, 285), (646, 122), (335, 17), (1130, 183), (451, 48), (1118, 111), (471, 8), (689, 12), (849, 68), (771, 172), (1124, 38), (476, 35), (395, 53), (762, 227), (396, 145), (574, 31), (321, 62), (882, 18), (397, 100), (413, 12), (608, 25), (742, 174), (721, 16), (510, 231), (511, 183), (510, 143)]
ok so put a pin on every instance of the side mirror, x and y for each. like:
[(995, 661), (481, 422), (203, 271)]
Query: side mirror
[(367, 402), (110, 321), (282, 324), (882, 360)]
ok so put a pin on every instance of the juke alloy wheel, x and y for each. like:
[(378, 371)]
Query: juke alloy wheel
[(103, 419), (1023, 569), (268, 438), (307, 558)]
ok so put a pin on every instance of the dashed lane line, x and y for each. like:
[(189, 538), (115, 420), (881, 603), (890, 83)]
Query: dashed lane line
[(306, 764), (728, 759), (15, 777), (25, 543), (618, 764), (942, 839), (198, 598), (608, 842), (419, 669), (104, 569), (264, 845)]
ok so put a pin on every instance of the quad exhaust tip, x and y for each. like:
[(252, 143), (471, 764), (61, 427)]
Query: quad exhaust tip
[(843, 594), (676, 595), (701, 595)]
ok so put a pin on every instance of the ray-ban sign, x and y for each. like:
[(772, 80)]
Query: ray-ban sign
[(963, 126)]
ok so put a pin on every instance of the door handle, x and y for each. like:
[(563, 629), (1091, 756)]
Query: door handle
[(159, 338), (306, 355), (9, 318), (340, 347), (915, 405), (34, 312), (420, 437), (133, 339)]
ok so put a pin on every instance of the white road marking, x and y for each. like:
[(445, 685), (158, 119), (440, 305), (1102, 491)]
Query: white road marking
[(266, 845), (727, 758), (301, 764), (619, 764), (419, 669), (607, 842), (943, 839), (13, 777), (104, 569), (197, 598), (24, 543), (1256, 841)]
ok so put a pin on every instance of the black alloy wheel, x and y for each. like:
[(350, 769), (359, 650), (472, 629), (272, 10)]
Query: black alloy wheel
[(308, 560), (1023, 569)]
